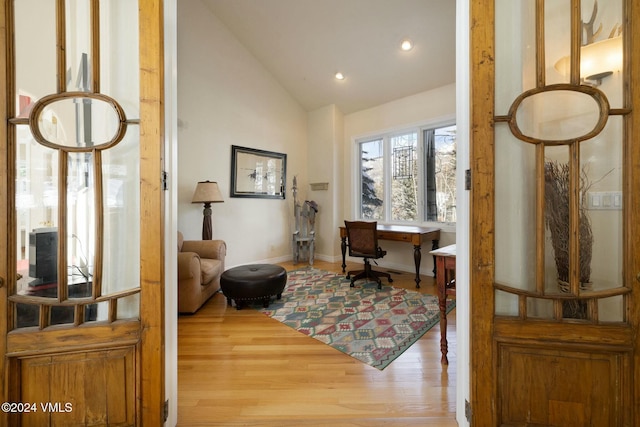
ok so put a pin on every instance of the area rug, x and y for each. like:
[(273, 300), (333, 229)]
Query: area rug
[(374, 326)]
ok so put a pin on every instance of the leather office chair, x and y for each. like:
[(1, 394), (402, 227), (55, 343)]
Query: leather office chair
[(362, 238)]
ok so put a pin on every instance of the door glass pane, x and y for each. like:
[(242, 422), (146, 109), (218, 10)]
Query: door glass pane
[(538, 308), (121, 178), (78, 45), (611, 309), (601, 50), (105, 229), (27, 315), (601, 160), (119, 64), (515, 64), (601, 54), (506, 304), (557, 120), (372, 180), (35, 53), (515, 200), (36, 213), (128, 307), (556, 212), (81, 220), (557, 40)]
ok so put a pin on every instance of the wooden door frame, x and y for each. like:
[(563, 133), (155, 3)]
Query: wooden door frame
[(481, 209), (151, 364), (483, 350), (152, 354), (5, 185)]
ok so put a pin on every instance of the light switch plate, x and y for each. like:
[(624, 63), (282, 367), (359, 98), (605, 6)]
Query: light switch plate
[(604, 200)]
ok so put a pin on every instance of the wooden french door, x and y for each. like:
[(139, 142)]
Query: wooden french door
[(81, 224), (555, 213)]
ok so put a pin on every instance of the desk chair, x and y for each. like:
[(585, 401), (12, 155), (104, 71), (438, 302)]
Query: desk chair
[(362, 238)]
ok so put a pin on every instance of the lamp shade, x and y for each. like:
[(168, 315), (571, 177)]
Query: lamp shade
[(596, 59), (207, 192)]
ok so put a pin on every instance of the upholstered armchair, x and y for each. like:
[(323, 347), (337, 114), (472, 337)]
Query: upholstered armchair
[(200, 265)]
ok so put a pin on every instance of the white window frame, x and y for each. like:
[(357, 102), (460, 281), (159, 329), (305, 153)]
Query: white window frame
[(386, 135)]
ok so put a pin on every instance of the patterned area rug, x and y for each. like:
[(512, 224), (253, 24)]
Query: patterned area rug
[(371, 325)]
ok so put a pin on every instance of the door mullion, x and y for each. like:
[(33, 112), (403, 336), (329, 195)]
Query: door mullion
[(61, 35), (574, 219), (540, 219), (63, 168)]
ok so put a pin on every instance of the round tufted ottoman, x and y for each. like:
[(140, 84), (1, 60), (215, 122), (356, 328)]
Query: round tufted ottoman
[(253, 282)]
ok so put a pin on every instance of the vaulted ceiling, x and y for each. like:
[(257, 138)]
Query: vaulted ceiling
[(303, 43)]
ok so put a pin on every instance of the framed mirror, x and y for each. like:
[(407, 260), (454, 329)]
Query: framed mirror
[(257, 173)]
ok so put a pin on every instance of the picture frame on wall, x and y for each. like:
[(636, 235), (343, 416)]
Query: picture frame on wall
[(258, 173)]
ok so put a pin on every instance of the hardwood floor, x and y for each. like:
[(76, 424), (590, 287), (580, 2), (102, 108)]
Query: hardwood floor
[(241, 368)]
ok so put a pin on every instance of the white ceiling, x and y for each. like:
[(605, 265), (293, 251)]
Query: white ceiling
[(303, 43)]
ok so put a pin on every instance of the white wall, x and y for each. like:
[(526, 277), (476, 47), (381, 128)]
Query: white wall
[(325, 166), (463, 297), (437, 105), (171, 213), (226, 97)]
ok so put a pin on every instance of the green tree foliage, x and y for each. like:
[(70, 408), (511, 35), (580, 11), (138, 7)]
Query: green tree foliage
[(371, 203)]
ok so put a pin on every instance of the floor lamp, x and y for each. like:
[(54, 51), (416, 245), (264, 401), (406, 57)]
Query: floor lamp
[(207, 192)]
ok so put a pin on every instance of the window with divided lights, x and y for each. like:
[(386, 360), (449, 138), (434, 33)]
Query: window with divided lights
[(409, 176)]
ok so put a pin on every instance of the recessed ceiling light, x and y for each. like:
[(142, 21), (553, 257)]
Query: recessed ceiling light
[(339, 76), (406, 45)]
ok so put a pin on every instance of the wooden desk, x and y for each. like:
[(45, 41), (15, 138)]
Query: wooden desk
[(401, 233), (446, 285)]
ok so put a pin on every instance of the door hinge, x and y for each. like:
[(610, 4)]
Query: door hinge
[(467, 179), (467, 410), (165, 410), (165, 177)]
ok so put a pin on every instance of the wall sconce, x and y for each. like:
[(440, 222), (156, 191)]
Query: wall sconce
[(597, 60), (207, 192)]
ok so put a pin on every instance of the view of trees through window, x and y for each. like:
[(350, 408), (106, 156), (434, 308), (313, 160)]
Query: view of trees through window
[(420, 183), (372, 179)]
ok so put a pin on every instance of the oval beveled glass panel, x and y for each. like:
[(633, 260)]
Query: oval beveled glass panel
[(558, 116), (79, 122)]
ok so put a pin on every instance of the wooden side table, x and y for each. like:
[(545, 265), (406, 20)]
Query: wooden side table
[(446, 285)]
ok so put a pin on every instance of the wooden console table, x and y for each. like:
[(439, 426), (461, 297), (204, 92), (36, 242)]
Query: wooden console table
[(402, 233), (446, 285)]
